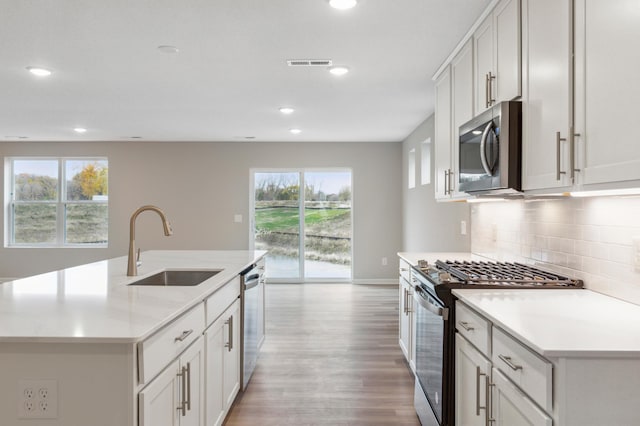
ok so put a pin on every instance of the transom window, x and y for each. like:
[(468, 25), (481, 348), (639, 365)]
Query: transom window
[(58, 202)]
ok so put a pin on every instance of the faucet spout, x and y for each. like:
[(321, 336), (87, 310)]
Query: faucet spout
[(132, 266)]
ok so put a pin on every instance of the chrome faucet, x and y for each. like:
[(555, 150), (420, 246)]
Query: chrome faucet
[(132, 265)]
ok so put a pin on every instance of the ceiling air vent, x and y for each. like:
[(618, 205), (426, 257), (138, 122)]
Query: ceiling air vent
[(309, 62)]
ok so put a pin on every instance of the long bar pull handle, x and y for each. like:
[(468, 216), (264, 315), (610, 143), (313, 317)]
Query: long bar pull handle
[(230, 343), (558, 141), (189, 386), (183, 336), (183, 384), (466, 326), (486, 91), (446, 179), (478, 406), (491, 99), (488, 411), (406, 303), (572, 152), (507, 360), (451, 173), (409, 299)]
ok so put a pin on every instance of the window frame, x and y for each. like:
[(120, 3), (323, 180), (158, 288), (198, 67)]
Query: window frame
[(61, 203)]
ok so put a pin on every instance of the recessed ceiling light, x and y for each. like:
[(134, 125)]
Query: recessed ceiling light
[(342, 4), (79, 129), (338, 70), (40, 72), (295, 131), (168, 49), (286, 110)]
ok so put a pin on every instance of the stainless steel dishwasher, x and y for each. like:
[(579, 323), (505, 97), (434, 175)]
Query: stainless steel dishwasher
[(252, 286)]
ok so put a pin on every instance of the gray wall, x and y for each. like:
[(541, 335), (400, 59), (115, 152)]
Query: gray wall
[(201, 186), (427, 224)]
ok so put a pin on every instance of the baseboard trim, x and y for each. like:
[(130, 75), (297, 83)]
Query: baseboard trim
[(377, 281)]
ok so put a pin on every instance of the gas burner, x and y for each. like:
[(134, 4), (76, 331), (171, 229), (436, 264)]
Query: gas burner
[(504, 274)]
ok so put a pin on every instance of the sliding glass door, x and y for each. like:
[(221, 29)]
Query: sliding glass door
[(303, 218)]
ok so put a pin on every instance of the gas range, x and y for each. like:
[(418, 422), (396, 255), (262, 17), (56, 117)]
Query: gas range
[(456, 274)]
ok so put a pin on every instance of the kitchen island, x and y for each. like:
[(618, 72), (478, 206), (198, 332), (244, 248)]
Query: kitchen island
[(82, 346)]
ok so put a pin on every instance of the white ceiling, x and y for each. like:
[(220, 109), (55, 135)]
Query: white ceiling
[(230, 75)]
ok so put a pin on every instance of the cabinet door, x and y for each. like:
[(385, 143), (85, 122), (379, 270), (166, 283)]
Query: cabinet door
[(159, 401), (472, 370), (462, 95), (607, 92), (547, 106), (508, 51), (192, 369), (215, 339), (231, 381), (511, 407), (442, 134), (484, 64), (404, 319)]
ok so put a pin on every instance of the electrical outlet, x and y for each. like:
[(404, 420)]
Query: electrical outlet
[(237, 218), (384, 261), (38, 399), (463, 227), (494, 232)]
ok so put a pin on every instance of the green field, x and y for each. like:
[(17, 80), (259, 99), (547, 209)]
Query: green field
[(328, 232)]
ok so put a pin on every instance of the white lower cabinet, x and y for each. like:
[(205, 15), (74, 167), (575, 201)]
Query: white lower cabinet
[(511, 407), (222, 364), (407, 318), (473, 373), (175, 397)]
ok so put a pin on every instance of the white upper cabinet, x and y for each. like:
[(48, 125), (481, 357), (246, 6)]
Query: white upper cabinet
[(607, 92), (443, 134), (546, 110), (498, 56)]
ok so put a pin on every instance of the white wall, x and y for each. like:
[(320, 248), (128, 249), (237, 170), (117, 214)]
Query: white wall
[(588, 238), (201, 186), (429, 226)]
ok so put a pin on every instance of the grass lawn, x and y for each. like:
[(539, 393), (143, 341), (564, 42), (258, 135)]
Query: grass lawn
[(286, 218)]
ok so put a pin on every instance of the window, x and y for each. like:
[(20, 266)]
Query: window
[(58, 202), (425, 162), (411, 177)]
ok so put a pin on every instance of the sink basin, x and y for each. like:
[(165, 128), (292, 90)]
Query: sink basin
[(177, 278)]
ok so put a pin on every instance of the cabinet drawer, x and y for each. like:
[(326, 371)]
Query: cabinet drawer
[(221, 299), (532, 373), (160, 349), (474, 328), (405, 270)]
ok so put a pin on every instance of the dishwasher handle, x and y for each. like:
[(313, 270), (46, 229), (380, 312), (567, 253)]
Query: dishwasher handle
[(248, 285), (424, 301)]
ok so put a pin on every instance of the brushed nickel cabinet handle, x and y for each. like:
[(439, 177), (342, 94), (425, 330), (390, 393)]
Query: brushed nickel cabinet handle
[(409, 299), (446, 179), (188, 370), (451, 173), (558, 141), (478, 406), (229, 344), (466, 326), (183, 336), (572, 152), (183, 385), (507, 360), (490, 98), (486, 90), (488, 412)]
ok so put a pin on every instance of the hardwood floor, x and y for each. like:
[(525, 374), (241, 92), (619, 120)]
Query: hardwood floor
[(331, 357)]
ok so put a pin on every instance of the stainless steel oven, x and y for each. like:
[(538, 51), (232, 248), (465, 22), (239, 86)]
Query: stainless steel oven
[(431, 316), (435, 324)]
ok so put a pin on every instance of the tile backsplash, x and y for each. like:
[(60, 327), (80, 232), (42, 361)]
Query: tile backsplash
[(588, 238)]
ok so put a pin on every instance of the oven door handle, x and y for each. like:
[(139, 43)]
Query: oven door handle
[(420, 297)]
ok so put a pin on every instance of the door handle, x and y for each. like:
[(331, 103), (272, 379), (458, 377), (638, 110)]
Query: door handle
[(558, 141), (483, 149), (183, 385), (507, 360), (478, 406), (572, 151), (229, 344)]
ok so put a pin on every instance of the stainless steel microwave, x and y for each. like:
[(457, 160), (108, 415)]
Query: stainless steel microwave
[(490, 145)]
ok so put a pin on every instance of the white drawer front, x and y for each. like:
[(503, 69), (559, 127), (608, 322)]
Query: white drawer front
[(405, 270), (474, 328), (532, 373), (160, 349), (219, 301)]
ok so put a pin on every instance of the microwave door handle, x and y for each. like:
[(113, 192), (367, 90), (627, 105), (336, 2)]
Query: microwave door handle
[(483, 149)]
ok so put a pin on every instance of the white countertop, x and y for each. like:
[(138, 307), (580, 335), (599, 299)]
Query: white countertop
[(562, 323), (93, 303)]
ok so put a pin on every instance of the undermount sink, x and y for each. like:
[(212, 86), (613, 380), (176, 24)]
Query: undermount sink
[(177, 278)]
